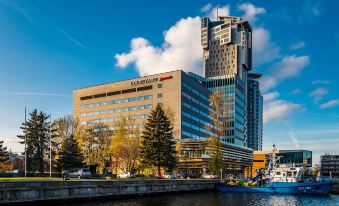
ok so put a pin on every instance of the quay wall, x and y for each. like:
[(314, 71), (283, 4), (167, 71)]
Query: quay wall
[(30, 191), (335, 189)]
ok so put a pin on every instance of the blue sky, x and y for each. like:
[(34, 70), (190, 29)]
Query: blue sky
[(49, 48)]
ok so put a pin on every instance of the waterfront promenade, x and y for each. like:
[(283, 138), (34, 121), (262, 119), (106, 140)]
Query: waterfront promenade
[(30, 191)]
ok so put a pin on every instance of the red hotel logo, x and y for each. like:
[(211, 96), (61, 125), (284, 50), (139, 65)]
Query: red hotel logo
[(165, 78)]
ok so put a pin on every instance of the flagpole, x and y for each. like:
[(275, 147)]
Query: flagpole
[(25, 146), (50, 145)]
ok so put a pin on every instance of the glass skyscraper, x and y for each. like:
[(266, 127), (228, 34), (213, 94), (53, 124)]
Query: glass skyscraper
[(227, 54), (254, 112)]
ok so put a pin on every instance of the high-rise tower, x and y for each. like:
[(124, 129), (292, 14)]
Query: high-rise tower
[(227, 54), (227, 46), (254, 112)]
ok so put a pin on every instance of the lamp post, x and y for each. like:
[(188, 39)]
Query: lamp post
[(50, 145), (25, 146)]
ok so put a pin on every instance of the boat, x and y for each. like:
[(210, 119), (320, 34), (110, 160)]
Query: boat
[(278, 179)]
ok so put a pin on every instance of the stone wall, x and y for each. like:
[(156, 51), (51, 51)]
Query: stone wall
[(27, 191)]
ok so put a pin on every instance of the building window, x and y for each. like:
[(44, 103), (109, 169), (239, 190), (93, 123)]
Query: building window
[(159, 86), (159, 95)]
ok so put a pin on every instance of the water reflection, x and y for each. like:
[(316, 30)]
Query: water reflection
[(218, 199)]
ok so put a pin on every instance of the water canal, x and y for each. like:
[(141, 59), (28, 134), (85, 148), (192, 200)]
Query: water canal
[(217, 199)]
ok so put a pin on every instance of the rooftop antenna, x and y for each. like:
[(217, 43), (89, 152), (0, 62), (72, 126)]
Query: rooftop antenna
[(217, 14)]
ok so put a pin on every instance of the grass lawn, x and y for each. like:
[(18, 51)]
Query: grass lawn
[(29, 179)]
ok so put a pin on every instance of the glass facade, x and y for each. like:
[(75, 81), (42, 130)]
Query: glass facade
[(329, 165), (194, 110), (255, 113), (297, 157), (231, 88)]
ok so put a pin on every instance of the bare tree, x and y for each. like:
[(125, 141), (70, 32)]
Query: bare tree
[(218, 114)]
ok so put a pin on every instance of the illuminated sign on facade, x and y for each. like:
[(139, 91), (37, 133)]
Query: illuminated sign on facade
[(165, 78), (150, 80), (144, 81)]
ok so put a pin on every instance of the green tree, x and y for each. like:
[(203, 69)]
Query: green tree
[(69, 154), (5, 163), (38, 130), (157, 146), (218, 127), (125, 145)]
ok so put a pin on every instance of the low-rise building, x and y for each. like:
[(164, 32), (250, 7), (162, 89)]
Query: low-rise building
[(297, 158), (329, 165)]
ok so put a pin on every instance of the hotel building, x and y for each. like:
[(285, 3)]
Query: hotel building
[(185, 99)]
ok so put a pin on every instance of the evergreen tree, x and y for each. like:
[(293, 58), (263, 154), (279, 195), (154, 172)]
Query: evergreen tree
[(69, 155), (5, 163), (157, 145), (38, 129)]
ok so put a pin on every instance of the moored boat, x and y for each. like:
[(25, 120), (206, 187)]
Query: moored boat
[(280, 187), (278, 179)]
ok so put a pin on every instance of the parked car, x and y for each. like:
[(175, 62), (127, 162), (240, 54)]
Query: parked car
[(193, 176), (187, 176), (180, 176), (80, 173), (209, 176), (126, 175), (169, 176)]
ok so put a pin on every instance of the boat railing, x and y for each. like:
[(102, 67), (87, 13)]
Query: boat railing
[(316, 179)]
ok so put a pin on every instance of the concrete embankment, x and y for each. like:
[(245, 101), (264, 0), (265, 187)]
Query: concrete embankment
[(22, 191)]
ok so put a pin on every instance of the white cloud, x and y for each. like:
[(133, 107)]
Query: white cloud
[(251, 12), (329, 104), (206, 8), (267, 82), (278, 109), (264, 50), (319, 81), (318, 94), (211, 11), (310, 9), (270, 96), (297, 45), (184, 38), (295, 91), (288, 67), (181, 50)]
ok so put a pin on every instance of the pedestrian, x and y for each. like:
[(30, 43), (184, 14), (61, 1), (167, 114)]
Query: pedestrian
[(65, 175)]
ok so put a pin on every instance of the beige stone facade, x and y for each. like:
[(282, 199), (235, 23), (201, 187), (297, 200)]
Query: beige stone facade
[(134, 98)]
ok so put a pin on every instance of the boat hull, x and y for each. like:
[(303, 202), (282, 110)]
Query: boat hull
[(281, 187)]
